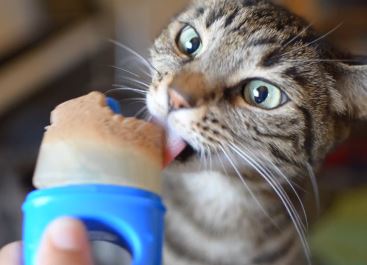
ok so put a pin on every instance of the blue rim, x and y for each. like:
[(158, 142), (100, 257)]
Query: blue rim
[(93, 188)]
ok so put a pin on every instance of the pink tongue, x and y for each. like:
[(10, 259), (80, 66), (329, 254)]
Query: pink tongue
[(174, 146)]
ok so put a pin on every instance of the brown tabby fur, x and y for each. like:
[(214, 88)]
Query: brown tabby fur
[(223, 207)]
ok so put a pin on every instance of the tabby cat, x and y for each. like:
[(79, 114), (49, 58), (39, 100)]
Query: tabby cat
[(260, 98)]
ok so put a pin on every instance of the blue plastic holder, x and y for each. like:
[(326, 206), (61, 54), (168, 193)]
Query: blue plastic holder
[(129, 217), (114, 105)]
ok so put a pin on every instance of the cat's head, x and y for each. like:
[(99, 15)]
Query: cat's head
[(247, 77)]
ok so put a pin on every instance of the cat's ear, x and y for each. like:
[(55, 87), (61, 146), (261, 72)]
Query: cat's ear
[(351, 82)]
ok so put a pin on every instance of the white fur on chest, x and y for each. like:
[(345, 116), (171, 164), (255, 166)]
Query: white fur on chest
[(217, 199), (214, 198), (217, 202)]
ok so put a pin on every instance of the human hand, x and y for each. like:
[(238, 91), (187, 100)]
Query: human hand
[(65, 241)]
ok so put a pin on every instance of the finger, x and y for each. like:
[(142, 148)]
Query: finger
[(11, 254), (65, 242)]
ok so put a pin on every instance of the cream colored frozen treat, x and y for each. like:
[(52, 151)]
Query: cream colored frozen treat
[(88, 143)]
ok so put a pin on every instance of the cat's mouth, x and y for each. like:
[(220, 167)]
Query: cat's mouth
[(186, 153), (176, 148)]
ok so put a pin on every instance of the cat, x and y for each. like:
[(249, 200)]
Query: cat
[(260, 98)]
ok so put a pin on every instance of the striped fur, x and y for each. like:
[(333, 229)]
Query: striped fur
[(238, 199)]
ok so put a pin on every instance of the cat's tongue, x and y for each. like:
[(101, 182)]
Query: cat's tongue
[(174, 146)]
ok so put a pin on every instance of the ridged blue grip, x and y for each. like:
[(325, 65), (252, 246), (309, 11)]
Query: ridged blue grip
[(129, 217)]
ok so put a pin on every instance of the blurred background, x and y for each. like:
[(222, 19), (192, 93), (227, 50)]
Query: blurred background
[(54, 50)]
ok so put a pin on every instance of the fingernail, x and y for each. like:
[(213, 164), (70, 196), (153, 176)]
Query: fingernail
[(67, 234)]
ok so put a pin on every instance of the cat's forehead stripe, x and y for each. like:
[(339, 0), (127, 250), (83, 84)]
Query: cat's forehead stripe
[(214, 15), (240, 28), (293, 73), (271, 58), (263, 41), (231, 17)]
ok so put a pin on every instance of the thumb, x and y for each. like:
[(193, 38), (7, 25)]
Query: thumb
[(65, 241)]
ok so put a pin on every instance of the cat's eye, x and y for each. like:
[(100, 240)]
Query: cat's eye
[(189, 41), (263, 94)]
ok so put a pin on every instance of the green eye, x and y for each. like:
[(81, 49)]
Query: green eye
[(188, 41), (263, 95)]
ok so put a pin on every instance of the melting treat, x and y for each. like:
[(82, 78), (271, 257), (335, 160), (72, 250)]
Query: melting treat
[(87, 143)]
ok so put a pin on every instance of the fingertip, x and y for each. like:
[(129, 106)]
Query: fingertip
[(68, 234), (11, 254), (65, 241)]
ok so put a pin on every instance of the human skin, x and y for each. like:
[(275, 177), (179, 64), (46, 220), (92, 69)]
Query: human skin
[(65, 241)]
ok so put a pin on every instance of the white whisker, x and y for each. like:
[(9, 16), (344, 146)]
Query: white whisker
[(135, 62), (143, 60), (222, 164), (282, 195), (219, 157), (144, 108), (286, 179), (136, 81), (125, 70), (267, 173), (202, 160), (230, 160), (133, 102), (314, 41), (133, 99), (148, 117), (326, 34), (210, 159), (295, 37), (315, 187), (119, 88)]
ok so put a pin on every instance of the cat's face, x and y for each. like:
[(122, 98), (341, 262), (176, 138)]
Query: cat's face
[(247, 78)]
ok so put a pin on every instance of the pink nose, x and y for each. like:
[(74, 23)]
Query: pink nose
[(176, 100), (187, 90)]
